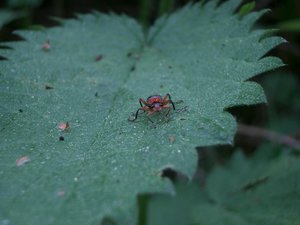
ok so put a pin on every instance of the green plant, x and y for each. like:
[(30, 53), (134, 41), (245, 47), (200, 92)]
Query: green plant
[(91, 74), (6, 16), (263, 189)]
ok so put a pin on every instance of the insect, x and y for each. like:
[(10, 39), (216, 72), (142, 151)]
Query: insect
[(154, 103)]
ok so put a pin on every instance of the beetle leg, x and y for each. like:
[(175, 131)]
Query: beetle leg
[(168, 96), (166, 100), (136, 115), (170, 101), (137, 112), (144, 102), (167, 107), (149, 114)]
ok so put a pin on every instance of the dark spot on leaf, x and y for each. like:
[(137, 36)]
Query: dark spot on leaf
[(61, 138), (179, 101), (129, 54), (20, 110), (98, 58), (132, 68), (47, 87), (96, 94), (161, 86), (170, 67)]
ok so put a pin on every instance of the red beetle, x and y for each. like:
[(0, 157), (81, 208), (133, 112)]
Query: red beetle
[(154, 103)]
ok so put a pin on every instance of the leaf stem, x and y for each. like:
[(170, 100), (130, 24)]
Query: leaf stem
[(275, 137)]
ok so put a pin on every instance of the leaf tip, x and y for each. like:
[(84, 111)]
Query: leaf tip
[(246, 8)]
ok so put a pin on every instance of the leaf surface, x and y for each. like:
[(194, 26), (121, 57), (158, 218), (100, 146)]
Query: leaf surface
[(91, 74)]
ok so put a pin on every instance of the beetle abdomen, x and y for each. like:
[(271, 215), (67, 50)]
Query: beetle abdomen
[(154, 98)]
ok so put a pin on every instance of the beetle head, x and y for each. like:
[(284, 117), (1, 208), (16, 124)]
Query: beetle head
[(157, 107)]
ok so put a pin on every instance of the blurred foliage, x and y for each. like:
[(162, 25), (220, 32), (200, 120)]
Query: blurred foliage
[(285, 16), (7, 16), (23, 3), (282, 89), (263, 189), (290, 26)]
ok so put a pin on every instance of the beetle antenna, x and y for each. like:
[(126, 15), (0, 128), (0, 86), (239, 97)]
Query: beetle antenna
[(136, 115), (172, 103)]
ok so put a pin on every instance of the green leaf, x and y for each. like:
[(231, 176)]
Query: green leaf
[(245, 9), (98, 66), (7, 16), (262, 190)]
